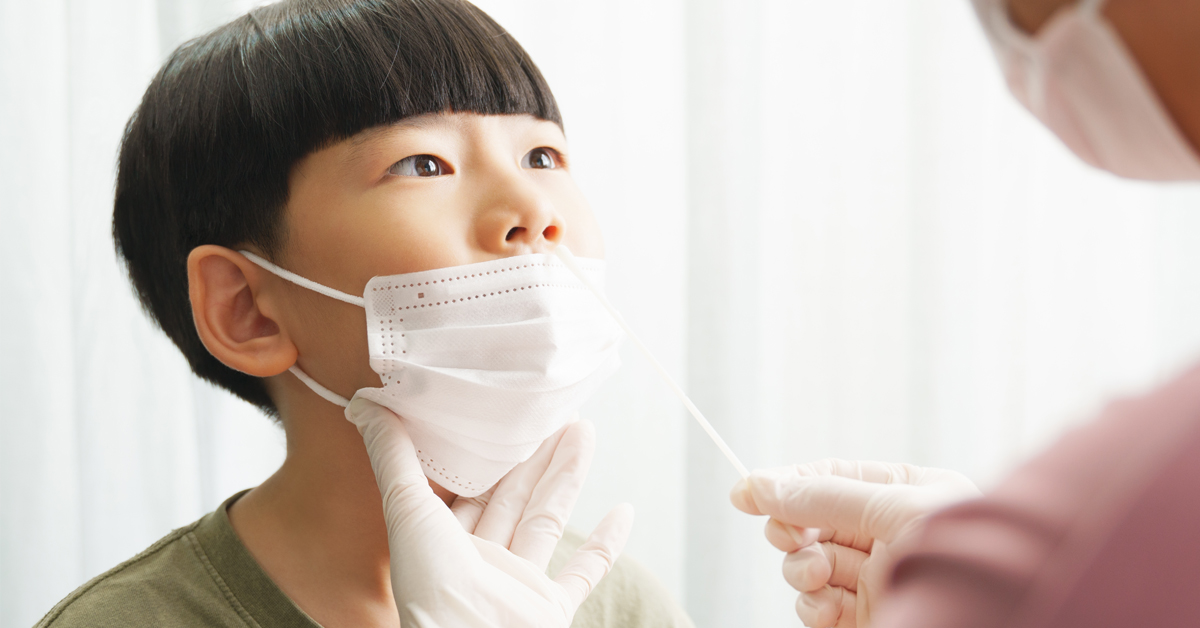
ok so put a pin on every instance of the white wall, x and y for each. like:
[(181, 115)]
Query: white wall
[(828, 219)]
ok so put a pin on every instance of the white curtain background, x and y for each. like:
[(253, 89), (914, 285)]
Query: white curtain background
[(828, 219)]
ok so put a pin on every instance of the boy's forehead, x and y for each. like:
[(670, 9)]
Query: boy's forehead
[(364, 143), (423, 121)]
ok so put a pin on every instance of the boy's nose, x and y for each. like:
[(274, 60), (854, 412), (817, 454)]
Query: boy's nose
[(519, 221)]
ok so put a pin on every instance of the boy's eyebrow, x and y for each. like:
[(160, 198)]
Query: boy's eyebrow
[(361, 143)]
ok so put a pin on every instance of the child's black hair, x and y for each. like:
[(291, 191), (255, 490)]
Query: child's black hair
[(206, 156)]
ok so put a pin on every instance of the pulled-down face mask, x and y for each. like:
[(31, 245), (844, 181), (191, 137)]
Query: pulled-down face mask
[(484, 361), (1079, 79)]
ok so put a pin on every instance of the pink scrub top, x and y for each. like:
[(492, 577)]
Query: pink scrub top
[(1103, 529)]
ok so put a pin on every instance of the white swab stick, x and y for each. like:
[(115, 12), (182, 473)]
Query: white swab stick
[(568, 259)]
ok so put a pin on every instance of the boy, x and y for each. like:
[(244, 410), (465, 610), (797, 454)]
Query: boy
[(340, 139)]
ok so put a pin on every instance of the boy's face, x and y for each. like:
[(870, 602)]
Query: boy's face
[(428, 192)]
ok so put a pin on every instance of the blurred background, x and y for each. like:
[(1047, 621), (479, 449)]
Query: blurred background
[(828, 219)]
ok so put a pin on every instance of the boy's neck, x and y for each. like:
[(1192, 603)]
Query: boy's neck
[(316, 526)]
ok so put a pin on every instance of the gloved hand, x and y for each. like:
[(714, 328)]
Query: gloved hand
[(482, 562), (836, 519)]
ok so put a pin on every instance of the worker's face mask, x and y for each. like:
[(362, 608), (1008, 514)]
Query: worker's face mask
[(484, 361), (1078, 78)]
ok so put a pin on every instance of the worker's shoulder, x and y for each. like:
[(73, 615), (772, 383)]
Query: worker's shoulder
[(629, 596), (167, 584)]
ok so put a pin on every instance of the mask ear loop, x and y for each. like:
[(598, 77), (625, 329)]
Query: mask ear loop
[(323, 392), (305, 283)]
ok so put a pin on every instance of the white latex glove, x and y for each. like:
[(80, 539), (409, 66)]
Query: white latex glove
[(835, 519), (482, 562)]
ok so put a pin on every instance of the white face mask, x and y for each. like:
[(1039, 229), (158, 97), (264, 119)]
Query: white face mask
[(1078, 78), (483, 361)]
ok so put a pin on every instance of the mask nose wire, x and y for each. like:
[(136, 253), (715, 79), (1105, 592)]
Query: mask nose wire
[(282, 273)]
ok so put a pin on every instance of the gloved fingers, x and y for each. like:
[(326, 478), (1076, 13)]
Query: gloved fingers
[(827, 607), (594, 559), (807, 569), (789, 538), (499, 519), (815, 565), (468, 509), (852, 538), (873, 578), (952, 483), (849, 615), (554, 498), (865, 601), (742, 499), (874, 471), (951, 486), (858, 541), (844, 505)]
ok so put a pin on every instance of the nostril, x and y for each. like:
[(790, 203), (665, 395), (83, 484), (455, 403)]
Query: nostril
[(551, 233), (512, 233)]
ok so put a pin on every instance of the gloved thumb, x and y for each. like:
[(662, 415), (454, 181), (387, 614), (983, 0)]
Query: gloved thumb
[(742, 499), (394, 460), (420, 526)]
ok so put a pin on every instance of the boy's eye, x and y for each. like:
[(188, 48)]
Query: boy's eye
[(542, 158), (419, 166)]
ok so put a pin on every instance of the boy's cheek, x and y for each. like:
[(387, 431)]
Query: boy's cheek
[(332, 343)]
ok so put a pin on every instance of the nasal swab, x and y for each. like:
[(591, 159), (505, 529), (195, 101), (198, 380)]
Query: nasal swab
[(567, 258)]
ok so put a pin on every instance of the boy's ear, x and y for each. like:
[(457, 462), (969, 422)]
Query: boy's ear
[(233, 313)]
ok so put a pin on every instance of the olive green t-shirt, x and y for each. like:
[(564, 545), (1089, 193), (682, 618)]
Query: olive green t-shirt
[(202, 575)]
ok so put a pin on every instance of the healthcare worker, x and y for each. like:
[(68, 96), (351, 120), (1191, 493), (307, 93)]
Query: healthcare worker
[(1103, 529)]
